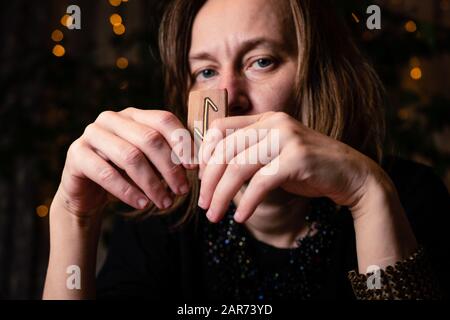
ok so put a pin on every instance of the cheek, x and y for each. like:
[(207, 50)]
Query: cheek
[(274, 94)]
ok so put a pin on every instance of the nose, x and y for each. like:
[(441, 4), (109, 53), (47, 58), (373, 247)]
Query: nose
[(238, 98)]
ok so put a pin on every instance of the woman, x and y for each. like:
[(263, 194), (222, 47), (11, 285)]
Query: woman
[(332, 206)]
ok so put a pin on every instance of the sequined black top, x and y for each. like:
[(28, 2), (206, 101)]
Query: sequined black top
[(223, 262)]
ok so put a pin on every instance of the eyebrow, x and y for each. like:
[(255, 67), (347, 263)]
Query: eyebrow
[(246, 46)]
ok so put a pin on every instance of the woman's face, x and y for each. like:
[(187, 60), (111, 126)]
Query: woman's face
[(249, 48)]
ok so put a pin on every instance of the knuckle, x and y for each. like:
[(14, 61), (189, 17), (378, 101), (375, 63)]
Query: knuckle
[(126, 190), (128, 110), (104, 116), (73, 146), (174, 169), (166, 118), (281, 116), (153, 139), (267, 115), (132, 156), (89, 130), (155, 185), (74, 149), (106, 174)]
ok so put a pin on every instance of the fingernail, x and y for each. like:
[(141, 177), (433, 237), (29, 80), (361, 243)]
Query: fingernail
[(142, 203), (237, 217), (184, 188), (210, 214), (201, 202), (167, 202)]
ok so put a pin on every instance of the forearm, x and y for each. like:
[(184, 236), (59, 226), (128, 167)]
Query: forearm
[(73, 247), (383, 233)]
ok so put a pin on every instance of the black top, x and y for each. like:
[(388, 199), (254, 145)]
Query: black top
[(217, 262)]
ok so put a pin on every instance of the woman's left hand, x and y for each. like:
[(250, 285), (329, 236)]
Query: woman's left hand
[(307, 163)]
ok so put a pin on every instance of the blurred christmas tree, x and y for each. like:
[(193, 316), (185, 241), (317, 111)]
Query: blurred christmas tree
[(401, 51)]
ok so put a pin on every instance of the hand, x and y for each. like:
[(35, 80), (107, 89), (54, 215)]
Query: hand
[(125, 154), (309, 164)]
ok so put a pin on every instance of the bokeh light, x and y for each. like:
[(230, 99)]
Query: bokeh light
[(416, 73), (115, 19), (66, 20), (122, 63), (115, 3), (42, 211), (410, 26), (58, 50), (119, 29), (57, 35)]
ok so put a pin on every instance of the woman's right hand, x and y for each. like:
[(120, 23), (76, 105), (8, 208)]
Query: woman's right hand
[(125, 154)]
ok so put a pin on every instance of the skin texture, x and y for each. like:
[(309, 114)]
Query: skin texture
[(247, 47)]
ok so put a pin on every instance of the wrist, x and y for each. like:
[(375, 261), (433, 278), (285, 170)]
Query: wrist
[(62, 211), (377, 194), (383, 233)]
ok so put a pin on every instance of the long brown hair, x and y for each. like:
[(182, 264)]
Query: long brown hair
[(339, 92)]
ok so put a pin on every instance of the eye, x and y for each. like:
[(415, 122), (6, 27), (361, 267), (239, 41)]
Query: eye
[(263, 63), (206, 74)]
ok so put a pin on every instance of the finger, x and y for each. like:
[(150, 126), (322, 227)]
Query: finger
[(155, 148), (130, 159), (232, 144), (214, 169), (101, 172), (218, 130), (238, 171), (245, 130), (224, 152), (266, 179), (169, 126)]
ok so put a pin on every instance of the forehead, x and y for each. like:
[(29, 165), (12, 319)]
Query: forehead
[(236, 20)]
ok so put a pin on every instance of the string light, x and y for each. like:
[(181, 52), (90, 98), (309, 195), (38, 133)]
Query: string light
[(115, 3), (410, 26), (42, 211), (66, 20), (416, 73), (119, 29), (58, 50), (57, 35), (122, 63), (115, 19)]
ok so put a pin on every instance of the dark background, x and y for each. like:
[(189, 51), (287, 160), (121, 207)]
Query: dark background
[(46, 101)]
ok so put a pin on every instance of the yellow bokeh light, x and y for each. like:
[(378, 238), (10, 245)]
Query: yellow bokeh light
[(122, 63), (115, 19), (58, 50), (119, 29), (66, 20), (42, 211), (416, 73), (115, 3), (411, 26), (57, 35)]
